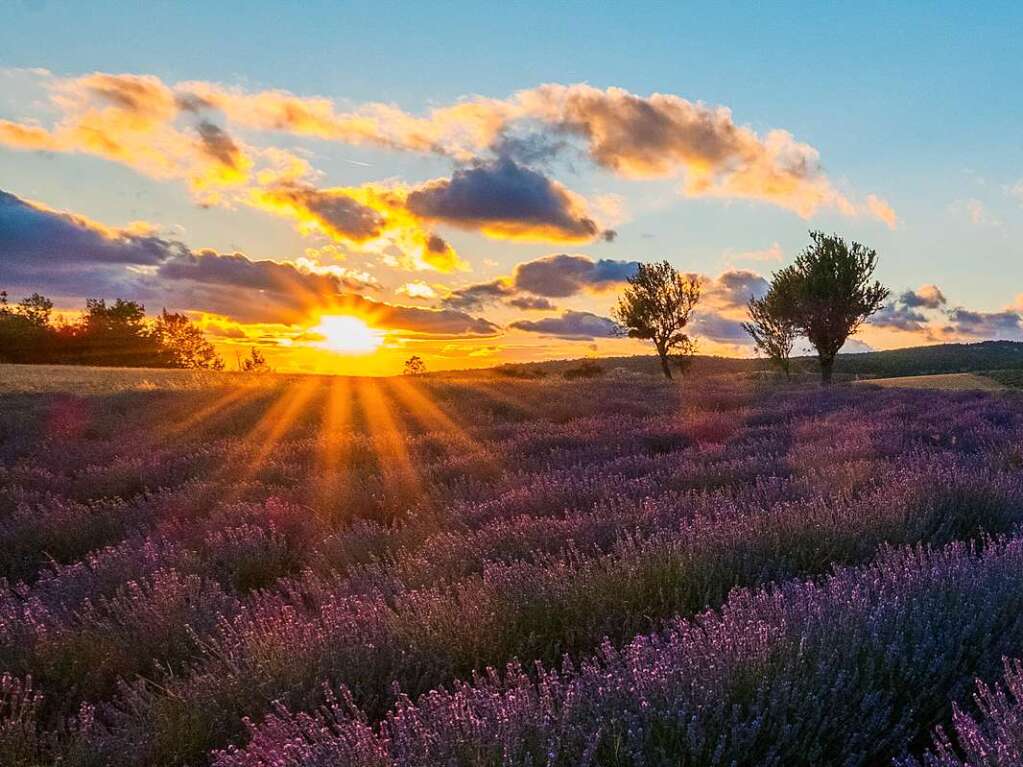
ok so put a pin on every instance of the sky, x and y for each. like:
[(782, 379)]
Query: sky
[(473, 185)]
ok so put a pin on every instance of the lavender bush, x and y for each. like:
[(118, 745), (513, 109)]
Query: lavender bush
[(328, 572), (994, 738)]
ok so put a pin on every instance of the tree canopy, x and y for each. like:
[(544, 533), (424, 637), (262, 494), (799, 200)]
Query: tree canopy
[(826, 295), (116, 334), (656, 305)]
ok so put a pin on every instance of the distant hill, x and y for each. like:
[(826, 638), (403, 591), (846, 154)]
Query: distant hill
[(916, 360)]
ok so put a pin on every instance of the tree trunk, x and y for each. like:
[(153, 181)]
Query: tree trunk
[(827, 365), (665, 367)]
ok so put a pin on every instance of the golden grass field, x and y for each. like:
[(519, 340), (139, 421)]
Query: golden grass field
[(945, 381)]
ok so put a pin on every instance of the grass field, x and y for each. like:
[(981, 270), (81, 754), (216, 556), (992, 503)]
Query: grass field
[(474, 570), (948, 381), (83, 380)]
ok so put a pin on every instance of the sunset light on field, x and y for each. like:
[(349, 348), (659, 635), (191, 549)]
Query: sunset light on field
[(409, 384), (345, 334)]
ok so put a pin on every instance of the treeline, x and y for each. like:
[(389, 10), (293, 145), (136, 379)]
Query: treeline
[(117, 334)]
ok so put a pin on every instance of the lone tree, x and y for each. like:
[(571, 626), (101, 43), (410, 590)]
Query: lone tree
[(414, 366), (772, 327), (656, 306), (828, 293), (254, 363)]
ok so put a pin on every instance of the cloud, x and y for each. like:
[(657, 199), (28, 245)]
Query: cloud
[(70, 254), (221, 147), (417, 289), (1016, 190), (997, 325), (133, 119), (663, 135), (905, 312), (563, 275), (733, 288), (334, 212), (717, 328), (975, 211), (900, 317), (927, 296), (45, 249), (31, 232), (506, 200), (881, 210), (433, 322), (458, 130), (572, 326), (531, 303), (372, 216), (773, 253), (532, 282), (475, 297)]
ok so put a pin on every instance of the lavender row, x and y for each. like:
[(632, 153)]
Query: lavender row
[(847, 671), (524, 526)]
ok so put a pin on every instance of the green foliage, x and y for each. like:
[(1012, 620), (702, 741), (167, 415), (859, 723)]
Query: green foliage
[(656, 306), (772, 329), (827, 294), (109, 335)]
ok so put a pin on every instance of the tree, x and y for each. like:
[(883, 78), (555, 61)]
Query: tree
[(829, 294), (36, 309), (183, 343), (254, 363), (772, 328), (414, 366), (25, 332), (118, 335), (657, 305)]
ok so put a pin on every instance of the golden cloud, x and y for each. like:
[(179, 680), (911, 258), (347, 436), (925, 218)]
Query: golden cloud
[(178, 131)]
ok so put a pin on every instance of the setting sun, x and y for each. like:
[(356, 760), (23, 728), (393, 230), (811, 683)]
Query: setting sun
[(346, 334)]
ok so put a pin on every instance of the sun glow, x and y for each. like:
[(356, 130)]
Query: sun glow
[(346, 334)]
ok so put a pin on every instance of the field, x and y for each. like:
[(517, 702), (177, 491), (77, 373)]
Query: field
[(477, 570), (950, 381)]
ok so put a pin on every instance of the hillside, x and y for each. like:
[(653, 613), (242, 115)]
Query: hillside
[(917, 360)]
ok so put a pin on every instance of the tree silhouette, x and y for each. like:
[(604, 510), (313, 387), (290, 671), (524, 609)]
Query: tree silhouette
[(414, 366), (117, 334), (184, 344), (828, 294), (657, 305), (254, 363)]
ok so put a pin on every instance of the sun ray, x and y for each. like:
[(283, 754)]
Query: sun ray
[(331, 483), (228, 401), (427, 412), (389, 442), (267, 432)]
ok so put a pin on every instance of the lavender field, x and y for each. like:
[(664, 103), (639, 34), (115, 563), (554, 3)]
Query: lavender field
[(481, 571)]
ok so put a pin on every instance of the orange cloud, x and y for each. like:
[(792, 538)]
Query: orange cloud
[(459, 130), (181, 131), (130, 119), (881, 210), (371, 216)]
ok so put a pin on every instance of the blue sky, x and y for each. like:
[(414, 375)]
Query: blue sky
[(916, 103)]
